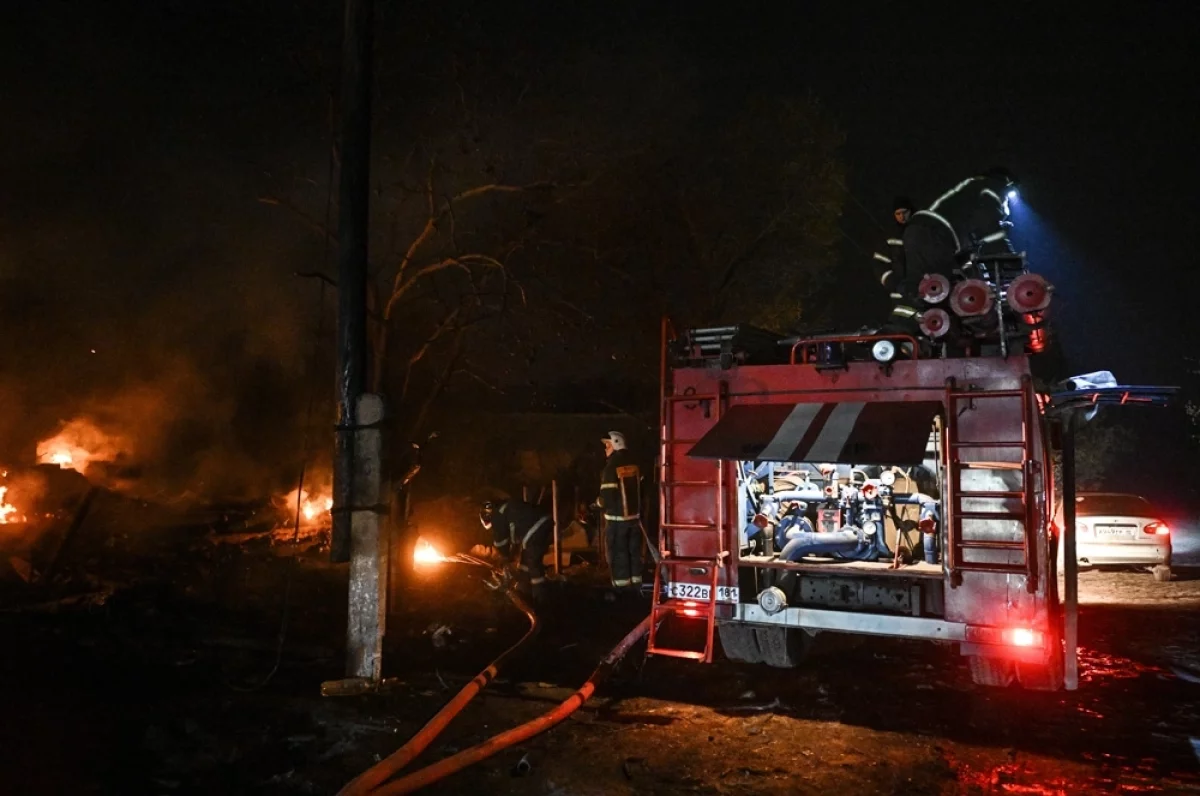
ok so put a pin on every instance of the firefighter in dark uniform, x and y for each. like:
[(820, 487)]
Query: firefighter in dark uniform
[(972, 217), (519, 528), (894, 273), (621, 501)]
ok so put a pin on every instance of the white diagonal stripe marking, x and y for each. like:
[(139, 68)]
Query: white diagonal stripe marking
[(790, 432), (831, 440)]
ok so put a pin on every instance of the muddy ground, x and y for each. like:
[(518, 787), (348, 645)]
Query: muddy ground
[(152, 681)]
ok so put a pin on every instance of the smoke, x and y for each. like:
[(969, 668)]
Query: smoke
[(187, 376), (144, 291)]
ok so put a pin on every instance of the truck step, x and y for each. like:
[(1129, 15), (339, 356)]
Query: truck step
[(691, 655)]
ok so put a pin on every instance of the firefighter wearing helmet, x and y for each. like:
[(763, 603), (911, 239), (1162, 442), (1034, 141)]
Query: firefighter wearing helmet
[(972, 217), (894, 274), (520, 529), (621, 500)]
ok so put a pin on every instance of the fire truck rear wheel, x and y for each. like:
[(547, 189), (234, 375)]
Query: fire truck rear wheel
[(782, 647), (1046, 676), (739, 643), (1040, 676), (995, 672)]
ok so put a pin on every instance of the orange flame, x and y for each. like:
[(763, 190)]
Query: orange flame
[(8, 512), (313, 508), (425, 553), (78, 444)]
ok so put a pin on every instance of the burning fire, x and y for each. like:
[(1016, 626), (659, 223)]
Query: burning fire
[(8, 512), (425, 553), (76, 445), (313, 508)]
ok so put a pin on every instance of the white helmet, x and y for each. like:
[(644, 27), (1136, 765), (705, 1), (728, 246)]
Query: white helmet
[(617, 439)]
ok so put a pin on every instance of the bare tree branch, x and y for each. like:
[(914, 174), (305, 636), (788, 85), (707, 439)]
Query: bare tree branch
[(469, 372), (423, 349), (463, 262), (431, 223), (317, 226), (429, 186), (556, 296), (440, 384)]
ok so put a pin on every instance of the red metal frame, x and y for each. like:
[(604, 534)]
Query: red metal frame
[(913, 354), (669, 558), (956, 544)]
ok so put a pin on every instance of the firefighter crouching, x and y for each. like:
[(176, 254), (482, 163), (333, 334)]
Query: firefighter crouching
[(521, 529), (621, 500)]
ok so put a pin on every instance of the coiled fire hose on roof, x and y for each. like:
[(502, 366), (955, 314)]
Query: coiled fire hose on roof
[(455, 763), (391, 765)]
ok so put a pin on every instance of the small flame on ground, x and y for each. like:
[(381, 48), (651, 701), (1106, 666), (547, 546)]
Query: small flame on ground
[(78, 444), (425, 553), (313, 508), (8, 512), (63, 454)]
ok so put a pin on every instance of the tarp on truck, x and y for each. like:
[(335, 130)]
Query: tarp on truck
[(850, 432)]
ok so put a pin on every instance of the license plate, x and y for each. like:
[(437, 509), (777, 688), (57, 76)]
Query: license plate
[(699, 591), (1112, 530)]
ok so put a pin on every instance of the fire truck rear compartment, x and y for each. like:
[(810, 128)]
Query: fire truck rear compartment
[(923, 490), (851, 587)]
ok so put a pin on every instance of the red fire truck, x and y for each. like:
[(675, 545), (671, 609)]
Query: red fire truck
[(856, 484)]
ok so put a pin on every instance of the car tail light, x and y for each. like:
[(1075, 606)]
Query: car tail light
[(1022, 637), (1157, 528)]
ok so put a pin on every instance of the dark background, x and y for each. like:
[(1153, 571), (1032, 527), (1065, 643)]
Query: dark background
[(138, 139)]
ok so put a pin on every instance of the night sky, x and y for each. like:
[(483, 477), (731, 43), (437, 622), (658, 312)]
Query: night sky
[(138, 138)]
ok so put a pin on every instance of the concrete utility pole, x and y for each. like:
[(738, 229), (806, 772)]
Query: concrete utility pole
[(358, 442)]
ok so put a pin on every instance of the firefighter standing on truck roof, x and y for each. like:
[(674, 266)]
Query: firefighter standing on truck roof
[(517, 525), (970, 217), (621, 500), (894, 273)]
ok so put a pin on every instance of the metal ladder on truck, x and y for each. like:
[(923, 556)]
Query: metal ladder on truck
[(956, 544), (675, 536)]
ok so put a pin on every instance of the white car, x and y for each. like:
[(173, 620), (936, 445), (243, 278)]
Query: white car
[(1116, 529)]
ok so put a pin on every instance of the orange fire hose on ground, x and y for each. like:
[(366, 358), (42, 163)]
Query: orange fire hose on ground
[(391, 765), (450, 765)]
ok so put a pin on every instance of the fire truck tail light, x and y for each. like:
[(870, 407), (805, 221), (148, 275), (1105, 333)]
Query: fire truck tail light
[(1158, 528), (690, 612), (1022, 637)]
